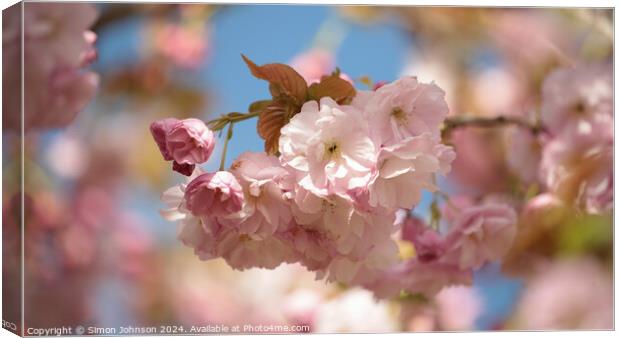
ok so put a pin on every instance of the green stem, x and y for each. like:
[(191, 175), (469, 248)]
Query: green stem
[(221, 122), (228, 137)]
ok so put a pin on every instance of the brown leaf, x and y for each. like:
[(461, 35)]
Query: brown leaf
[(333, 86), (271, 120), (283, 80)]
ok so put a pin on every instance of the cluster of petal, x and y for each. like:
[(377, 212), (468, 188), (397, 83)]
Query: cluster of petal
[(57, 47), (479, 234), (575, 98), (577, 162), (217, 194), (404, 108), (329, 200)]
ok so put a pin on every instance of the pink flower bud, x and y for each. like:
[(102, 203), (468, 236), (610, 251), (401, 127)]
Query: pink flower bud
[(186, 141), (546, 210), (214, 194)]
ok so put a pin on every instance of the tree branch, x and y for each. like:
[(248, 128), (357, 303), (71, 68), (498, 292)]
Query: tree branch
[(456, 122)]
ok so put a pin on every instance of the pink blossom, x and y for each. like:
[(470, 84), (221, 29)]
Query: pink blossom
[(429, 244), (314, 64), (578, 98), (55, 46), (406, 168), (416, 277), (458, 307), (186, 141), (496, 91), (480, 234), (186, 46), (328, 147), (301, 305), (57, 31), (578, 167), (405, 108), (214, 194), (69, 91), (574, 294), (528, 37), (354, 311), (265, 209)]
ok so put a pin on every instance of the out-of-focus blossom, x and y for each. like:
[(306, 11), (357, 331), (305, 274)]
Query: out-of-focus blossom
[(300, 306), (428, 70), (187, 46), (573, 294), (482, 233), (57, 45), (578, 168), (417, 277), (314, 64), (329, 148), (77, 244), (497, 91), (67, 157), (354, 311), (57, 31), (428, 243), (214, 194), (578, 98), (187, 141), (527, 36), (405, 108), (458, 307)]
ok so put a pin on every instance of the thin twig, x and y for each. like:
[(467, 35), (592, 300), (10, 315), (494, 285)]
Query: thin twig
[(228, 137), (453, 123)]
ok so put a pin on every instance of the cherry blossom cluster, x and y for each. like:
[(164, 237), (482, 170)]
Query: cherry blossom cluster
[(577, 156), (57, 46), (335, 194)]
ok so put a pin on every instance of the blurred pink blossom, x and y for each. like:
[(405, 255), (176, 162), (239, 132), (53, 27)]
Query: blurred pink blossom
[(300, 306), (573, 294), (578, 98), (56, 45), (458, 307), (578, 167), (354, 311), (314, 64), (187, 46), (481, 233)]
